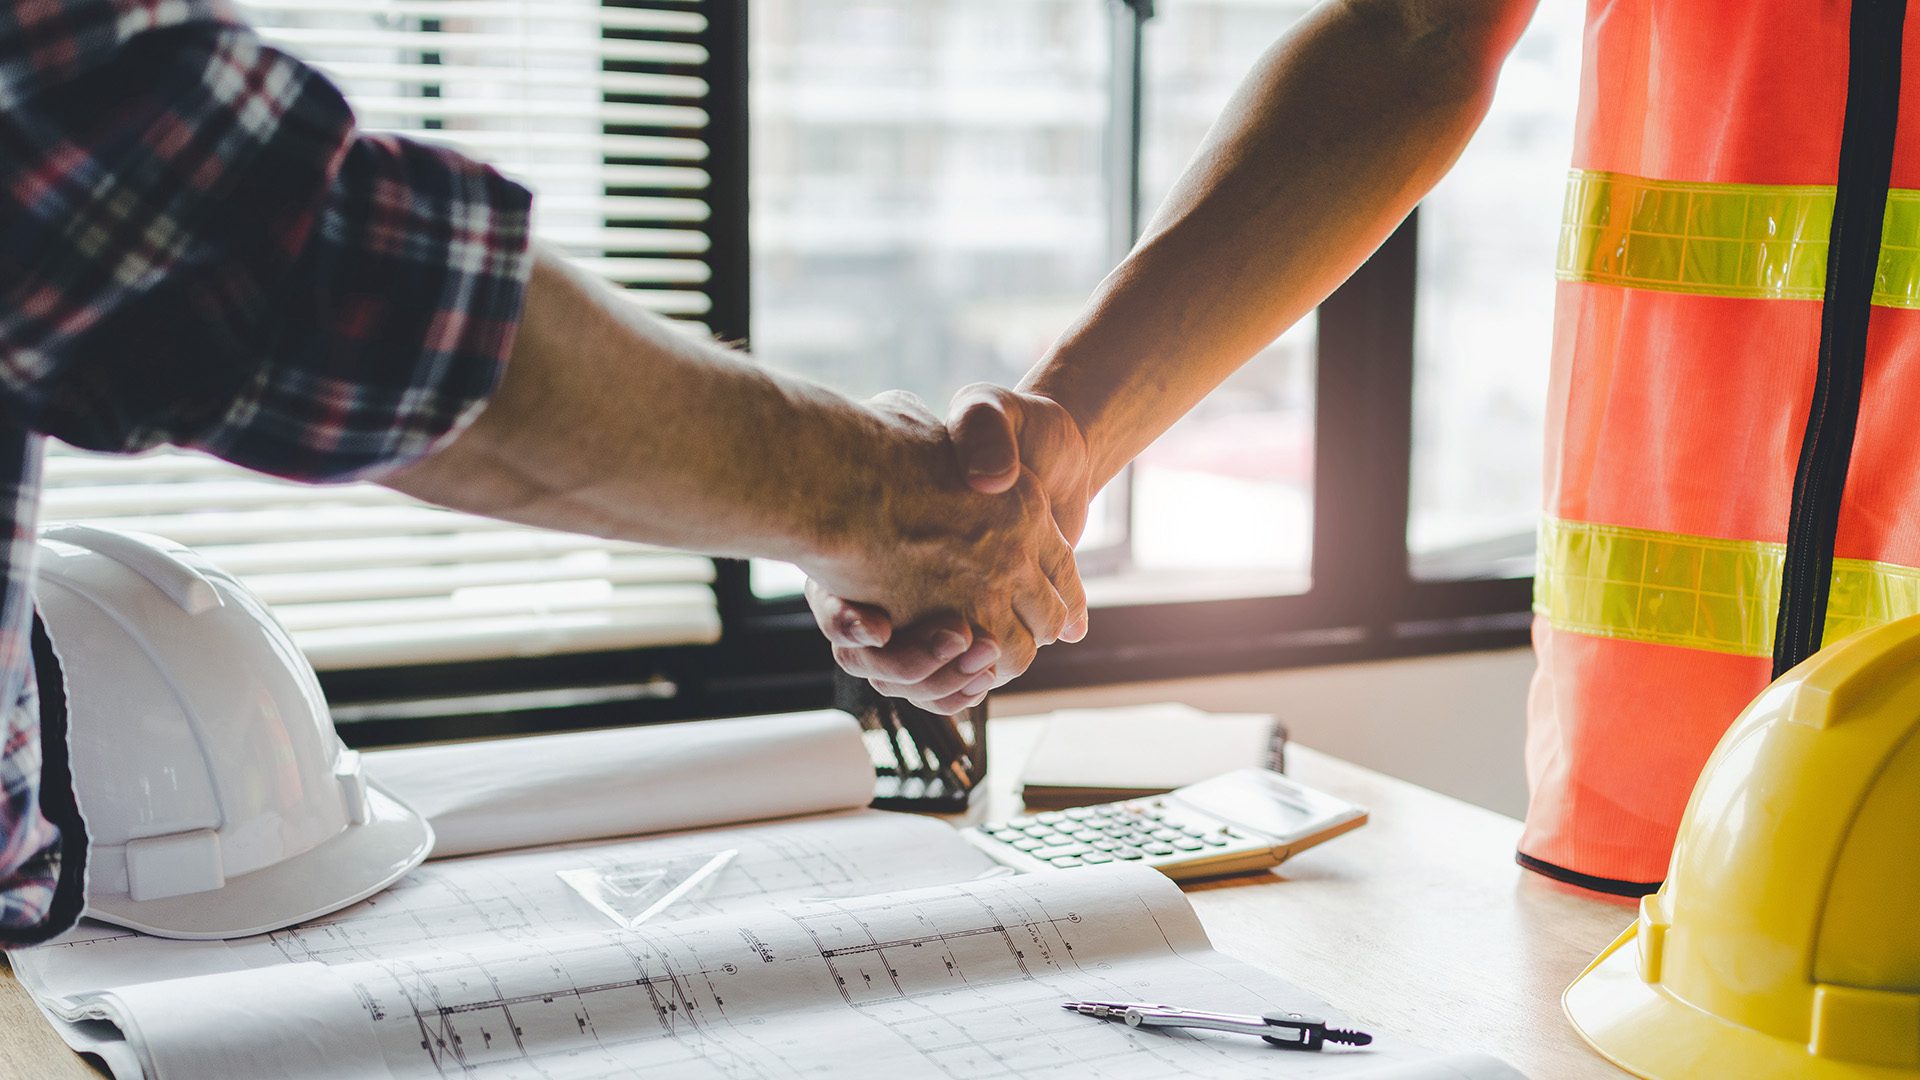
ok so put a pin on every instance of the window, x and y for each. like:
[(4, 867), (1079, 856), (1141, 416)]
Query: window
[(1273, 525), (1484, 324), (934, 198), (930, 192), (1222, 504)]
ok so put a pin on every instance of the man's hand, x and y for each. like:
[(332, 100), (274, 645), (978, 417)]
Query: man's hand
[(941, 663), (974, 559)]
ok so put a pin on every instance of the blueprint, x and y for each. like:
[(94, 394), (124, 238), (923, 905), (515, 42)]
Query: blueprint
[(518, 897), (548, 789), (960, 981)]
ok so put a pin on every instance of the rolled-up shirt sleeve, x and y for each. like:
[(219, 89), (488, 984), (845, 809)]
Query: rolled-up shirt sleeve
[(198, 247)]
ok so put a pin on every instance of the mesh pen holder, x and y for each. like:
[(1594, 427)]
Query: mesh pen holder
[(922, 761)]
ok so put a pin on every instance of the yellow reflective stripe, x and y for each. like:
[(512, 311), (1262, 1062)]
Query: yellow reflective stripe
[(1752, 241), (1696, 591)]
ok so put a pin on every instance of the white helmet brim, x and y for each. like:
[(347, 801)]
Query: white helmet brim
[(371, 856)]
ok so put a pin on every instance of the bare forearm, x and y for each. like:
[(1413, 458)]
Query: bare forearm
[(609, 422), (1340, 129)]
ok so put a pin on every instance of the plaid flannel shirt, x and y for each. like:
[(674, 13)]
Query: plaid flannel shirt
[(198, 248)]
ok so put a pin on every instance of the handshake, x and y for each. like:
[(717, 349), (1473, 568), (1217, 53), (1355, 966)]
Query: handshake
[(962, 567)]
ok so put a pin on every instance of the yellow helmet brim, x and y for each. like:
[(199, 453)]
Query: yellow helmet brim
[(1651, 1034)]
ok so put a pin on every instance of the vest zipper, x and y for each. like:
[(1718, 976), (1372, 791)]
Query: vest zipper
[(1853, 256)]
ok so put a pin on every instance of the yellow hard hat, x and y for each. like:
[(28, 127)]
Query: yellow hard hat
[(1786, 940)]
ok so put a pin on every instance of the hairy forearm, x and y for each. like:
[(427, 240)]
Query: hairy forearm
[(1339, 130), (607, 421)]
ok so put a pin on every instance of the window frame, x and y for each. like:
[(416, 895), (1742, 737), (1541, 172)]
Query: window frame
[(1363, 601)]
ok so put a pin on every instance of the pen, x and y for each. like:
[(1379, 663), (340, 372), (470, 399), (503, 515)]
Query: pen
[(890, 727)]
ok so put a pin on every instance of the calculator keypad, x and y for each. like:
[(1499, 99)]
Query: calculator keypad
[(1154, 832)]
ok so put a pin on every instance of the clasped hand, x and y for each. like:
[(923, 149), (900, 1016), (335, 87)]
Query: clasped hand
[(972, 549)]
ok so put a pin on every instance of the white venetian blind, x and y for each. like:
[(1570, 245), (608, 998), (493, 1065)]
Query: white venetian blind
[(598, 109)]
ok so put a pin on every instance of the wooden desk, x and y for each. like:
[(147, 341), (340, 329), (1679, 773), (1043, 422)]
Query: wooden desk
[(1419, 923)]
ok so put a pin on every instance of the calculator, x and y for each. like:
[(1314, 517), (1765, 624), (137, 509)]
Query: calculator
[(1250, 819)]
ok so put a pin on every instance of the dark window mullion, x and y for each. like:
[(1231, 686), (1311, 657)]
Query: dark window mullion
[(1126, 104), (730, 252), (730, 256), (1363, 433)]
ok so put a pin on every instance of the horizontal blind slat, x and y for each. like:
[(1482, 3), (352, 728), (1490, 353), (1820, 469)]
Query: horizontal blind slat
[(419, 582), (205, 496), (650, 272), (664, 241), (510, 543), (617, 176), (302, 40), (496, 79), (613, 18), (296, 524), (569, 597), (492, 145), (486, 639), (377, 111), (658, 301)]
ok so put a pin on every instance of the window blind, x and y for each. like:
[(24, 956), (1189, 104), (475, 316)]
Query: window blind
[(598, 109)]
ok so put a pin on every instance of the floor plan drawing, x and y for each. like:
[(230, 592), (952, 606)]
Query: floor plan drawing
[(516, 896), (795, 966), (963, 982)]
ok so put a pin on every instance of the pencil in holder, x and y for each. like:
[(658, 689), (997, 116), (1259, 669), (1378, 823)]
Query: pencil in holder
[(922, 761)]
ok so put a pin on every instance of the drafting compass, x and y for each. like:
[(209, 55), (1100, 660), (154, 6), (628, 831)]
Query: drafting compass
[(1292, 1030)]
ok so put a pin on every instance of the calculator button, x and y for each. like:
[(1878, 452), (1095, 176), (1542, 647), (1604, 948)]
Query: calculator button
[(1065, 861), (1102, 845), (1020, 822), (1026, 843), (1158, 849), (1128, 853), (1050, 818), (1190, 830), (1087, 835), (1166, 834), (1079, 813), (1215, 839), (1092, 858), (1057, 850), (1188, 845)]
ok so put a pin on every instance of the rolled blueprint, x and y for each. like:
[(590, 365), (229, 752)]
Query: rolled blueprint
[(552, 789)]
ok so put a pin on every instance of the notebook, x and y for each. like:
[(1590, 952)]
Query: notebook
[(1103, 755)]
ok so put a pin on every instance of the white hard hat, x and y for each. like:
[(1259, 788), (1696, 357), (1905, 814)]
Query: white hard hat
[(218, 799)]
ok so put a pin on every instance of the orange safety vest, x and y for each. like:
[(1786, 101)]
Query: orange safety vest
[(1736, 345)]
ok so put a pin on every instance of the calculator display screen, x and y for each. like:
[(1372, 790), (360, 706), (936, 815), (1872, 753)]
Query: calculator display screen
[(1266, 802)]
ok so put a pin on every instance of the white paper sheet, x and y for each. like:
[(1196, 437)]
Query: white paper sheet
[(517, 896), (954, 981), (550, 789)]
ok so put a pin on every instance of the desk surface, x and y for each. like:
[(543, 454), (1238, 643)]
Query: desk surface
[(1420, 924)]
